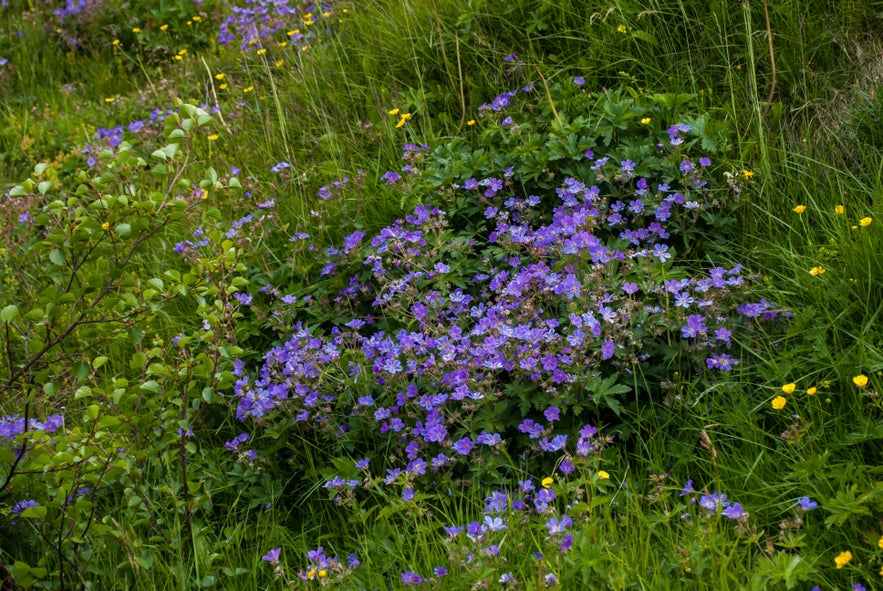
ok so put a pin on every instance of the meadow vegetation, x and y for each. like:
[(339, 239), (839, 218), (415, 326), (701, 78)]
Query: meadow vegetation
[(459, 294)]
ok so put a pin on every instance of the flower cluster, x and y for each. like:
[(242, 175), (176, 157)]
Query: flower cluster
[(257, 23)]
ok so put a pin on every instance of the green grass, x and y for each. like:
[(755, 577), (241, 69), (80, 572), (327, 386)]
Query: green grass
[(804, 119)]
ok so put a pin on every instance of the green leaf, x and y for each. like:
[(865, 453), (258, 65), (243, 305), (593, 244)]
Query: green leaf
[(9, 313), (150, 386), (123, 229), (57, 257)]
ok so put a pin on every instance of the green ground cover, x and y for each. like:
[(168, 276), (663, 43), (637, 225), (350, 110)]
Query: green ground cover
[(460, 294)]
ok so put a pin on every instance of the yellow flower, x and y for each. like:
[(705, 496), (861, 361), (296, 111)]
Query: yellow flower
[(293, 32), (839, 210), (547, 481), (799, 209), (861, 380), (603, 475), (865, 222), (105, 226), (470, 122), (880, 543), (816, 271), (323, 573), (178, 57), (789, 388), (223, 86), (116, 42), (197, 18), (621, 28), (248, 89), (811, 391), (747, 174), (136, 30), (213, 137), (261, 51), (182, 52), (282, 44), (311, 574), (646, 121), (843, 558), (401, 122), (779, 402), (219, 76), (393, 111), (110, 99), (164, 28), (406, 116), (280, 63)]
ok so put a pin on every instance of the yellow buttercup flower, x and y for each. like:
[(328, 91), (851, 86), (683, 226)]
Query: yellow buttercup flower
[(880, 543), (470, 122), (219, 76), (603, 475), (811, 391), (547, 481), (116, 42), (843, 559), (799, 209), (110, 99), (861, 380), (213, 137), (105, 226), (323, 573), (816, 271), (136, 30), (747, 174), (223, 86), (406, 116), (164, 28), (248, 89), (646, 121), (197, 18), (865, 222), (261, 51), (393, 111), (779, 402), (621, 28), (280, 63), (789, 388), (839, 210)]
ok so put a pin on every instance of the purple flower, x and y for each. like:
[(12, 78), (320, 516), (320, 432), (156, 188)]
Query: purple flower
[(688, 488), (463, 446), (607, 349), (411, 578), (440, 571), (552, 413), (806, 504), (391, 177), (272, 556), (579, 80), (22, 505), (566, 543), (735, 511)]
